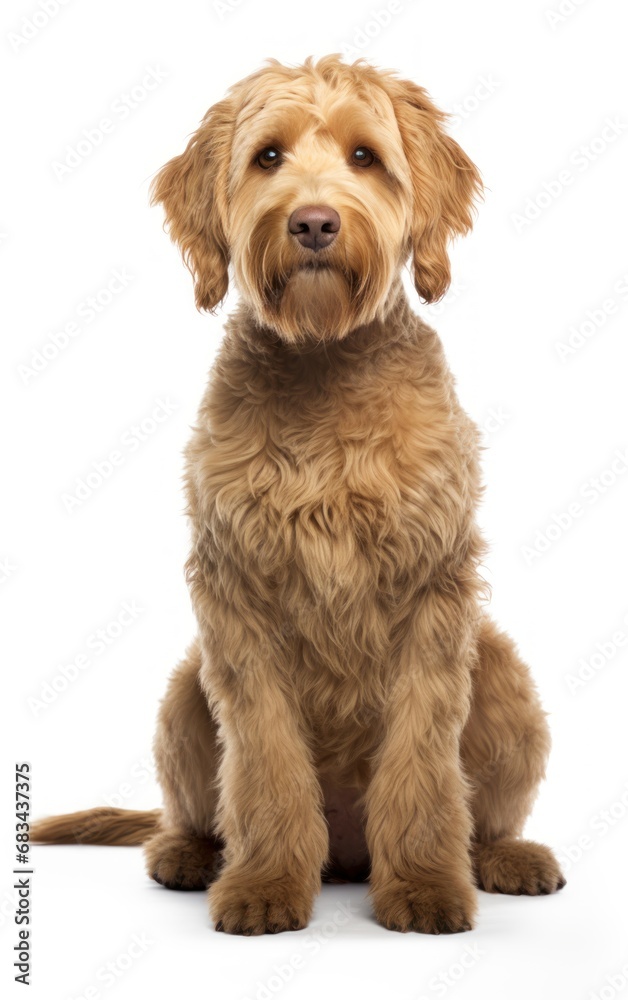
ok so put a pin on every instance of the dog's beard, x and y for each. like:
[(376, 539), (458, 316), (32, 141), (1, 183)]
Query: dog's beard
[(305, 296), (316, 302)]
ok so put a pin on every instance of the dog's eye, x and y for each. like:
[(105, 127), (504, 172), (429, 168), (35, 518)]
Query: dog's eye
[(362, 157), (269, 157)]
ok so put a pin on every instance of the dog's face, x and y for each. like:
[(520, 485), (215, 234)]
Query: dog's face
[(316, 184)]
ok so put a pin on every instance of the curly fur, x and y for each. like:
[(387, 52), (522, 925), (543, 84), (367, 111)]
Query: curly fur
[(347, 707)]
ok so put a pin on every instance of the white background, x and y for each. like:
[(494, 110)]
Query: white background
[(550, 85)]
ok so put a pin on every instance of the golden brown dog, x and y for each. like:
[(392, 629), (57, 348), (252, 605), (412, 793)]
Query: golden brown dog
[(347, 708)]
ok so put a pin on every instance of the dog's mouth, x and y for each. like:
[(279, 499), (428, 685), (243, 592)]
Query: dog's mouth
[(317, 295), (320, 261), (314, 265), (299, 269)]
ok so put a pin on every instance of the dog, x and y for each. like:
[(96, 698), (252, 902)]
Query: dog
[(348, 710)]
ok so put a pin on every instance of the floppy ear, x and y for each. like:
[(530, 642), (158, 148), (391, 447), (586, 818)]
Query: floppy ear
[(445, 184), (192, 188)]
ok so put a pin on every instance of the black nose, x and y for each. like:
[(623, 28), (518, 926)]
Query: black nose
[(315, 226)]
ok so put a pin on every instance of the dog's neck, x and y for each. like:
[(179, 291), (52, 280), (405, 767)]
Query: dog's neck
[(394, 322)]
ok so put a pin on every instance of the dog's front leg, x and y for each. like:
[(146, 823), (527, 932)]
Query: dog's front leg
[(270, 809), (418, 823)]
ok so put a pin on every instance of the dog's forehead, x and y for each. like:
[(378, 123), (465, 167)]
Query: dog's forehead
[(277, 108)]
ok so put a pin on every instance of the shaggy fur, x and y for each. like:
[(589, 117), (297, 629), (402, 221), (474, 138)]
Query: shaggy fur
[(347, 708)]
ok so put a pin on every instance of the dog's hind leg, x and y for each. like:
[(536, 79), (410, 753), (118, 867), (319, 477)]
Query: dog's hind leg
[(185, 854), (504, 750)]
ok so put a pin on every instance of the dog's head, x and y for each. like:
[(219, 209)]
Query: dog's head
[(316, 184)]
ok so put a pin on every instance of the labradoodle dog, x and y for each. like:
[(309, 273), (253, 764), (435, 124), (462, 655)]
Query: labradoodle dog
[(348, 710)]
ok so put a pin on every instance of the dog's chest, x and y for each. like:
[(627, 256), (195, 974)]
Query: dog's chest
[(323, 512), (338, 490)]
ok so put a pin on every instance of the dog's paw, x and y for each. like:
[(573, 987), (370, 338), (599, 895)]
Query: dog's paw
[(249, 907), (179, 861), (517, 867), (426, 907)]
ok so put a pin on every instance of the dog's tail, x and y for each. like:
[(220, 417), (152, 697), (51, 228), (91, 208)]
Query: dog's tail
[(115, 827)]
